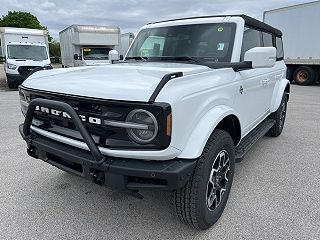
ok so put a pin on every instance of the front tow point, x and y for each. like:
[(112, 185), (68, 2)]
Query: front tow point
[(97, 177)]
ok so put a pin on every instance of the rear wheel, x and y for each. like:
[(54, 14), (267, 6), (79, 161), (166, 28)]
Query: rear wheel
[(289, 74), (279, 116), (305, 75), (201, 202)]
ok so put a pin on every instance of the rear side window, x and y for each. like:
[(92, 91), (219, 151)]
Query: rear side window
[(267, 39), (279, 46), (251, 39)]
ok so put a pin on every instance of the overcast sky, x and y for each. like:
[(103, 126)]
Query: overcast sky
[(130, 15)]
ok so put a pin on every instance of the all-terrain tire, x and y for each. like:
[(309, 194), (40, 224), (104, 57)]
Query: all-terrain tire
[(191, 201), (305, 75), (279, 116)]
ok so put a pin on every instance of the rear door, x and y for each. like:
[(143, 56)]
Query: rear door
[(277, 72)]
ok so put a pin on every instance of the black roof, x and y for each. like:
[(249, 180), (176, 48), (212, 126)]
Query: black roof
[(249, 21)]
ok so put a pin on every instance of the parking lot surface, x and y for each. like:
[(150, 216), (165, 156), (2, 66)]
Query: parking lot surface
[(275, 194)]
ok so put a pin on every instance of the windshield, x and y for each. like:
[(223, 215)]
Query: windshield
[(27, 52), (96, 53), (206, 42)]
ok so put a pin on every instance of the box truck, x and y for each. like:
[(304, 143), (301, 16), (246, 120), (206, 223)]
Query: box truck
[(299, 24), (83, 45), (23, 50), (125, 42)]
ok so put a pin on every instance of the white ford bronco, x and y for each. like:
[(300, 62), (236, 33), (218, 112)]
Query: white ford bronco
[(188, 100)]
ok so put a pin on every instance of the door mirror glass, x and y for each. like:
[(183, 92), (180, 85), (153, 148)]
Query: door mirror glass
[(261, 57), (2, 59)]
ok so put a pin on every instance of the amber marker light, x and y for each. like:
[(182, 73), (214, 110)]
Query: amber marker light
[(168, 129)]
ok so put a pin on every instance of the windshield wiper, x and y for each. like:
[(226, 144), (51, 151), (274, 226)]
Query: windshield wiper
[(182, 58), (137, 58)]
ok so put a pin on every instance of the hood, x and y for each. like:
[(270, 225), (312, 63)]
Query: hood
[(125, 81)]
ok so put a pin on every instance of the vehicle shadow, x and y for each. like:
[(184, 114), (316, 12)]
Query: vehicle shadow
[(116, 214)]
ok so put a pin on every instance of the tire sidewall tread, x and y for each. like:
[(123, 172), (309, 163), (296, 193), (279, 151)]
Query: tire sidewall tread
[(190, 201)]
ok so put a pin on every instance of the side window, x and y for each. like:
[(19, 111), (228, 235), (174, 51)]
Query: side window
[(267, 39), (251, 39), (279, 46)]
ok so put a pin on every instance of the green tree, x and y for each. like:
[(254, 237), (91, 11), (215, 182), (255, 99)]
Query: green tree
[(21, 20), (54, 50)]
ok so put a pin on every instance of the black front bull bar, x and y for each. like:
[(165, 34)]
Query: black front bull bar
[(97, 155), (119, 173)]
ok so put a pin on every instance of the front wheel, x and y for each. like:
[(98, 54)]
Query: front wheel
[(201, 202)]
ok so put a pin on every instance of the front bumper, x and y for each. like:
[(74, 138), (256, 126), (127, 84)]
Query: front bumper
[(119, 173), (15, 79)]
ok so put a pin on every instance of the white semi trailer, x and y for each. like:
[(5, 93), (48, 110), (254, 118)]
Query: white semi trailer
[(299, 24), (23, 50), (83, 45)]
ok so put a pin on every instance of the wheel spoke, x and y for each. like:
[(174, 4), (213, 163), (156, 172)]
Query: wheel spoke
[(225, 173), (213, 176), (212, 196), (227, 161), (222, 158)]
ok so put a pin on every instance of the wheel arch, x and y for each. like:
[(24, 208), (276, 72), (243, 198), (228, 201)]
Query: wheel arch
[(231, 124), (221, 117), (283, 87)]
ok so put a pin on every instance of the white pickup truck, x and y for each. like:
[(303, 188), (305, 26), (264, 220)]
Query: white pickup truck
[(188, 101)]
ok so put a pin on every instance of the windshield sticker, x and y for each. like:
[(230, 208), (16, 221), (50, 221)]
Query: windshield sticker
[(220, 46), (220, 29), (87, 49)]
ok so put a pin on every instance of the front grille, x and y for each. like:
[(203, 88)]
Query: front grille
[(25, 70), (104, 136)]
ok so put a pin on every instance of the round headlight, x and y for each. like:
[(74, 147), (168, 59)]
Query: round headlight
[(148, 126)]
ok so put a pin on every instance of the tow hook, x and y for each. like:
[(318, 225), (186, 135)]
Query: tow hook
[(97, 177), (31, 152)]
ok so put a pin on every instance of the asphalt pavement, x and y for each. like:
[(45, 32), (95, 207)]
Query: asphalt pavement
[(275, 194)]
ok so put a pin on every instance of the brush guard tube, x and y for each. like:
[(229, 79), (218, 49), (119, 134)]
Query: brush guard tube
[(97, 155)]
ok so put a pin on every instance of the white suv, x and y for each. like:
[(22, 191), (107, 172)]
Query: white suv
[(189, 100)]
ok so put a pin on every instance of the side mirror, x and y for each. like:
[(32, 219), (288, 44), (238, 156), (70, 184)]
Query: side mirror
[(2, 59), (113, 56), (261, 57), (76, 57), (121, 57)]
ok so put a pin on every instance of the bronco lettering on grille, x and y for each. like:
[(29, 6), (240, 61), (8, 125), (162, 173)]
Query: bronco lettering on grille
[(63, 114)]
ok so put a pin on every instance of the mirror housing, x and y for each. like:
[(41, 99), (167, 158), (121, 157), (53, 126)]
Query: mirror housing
[(261, 57), (76, 56), (113, 56), (121, 57), (2, 59)]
